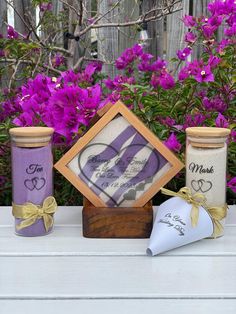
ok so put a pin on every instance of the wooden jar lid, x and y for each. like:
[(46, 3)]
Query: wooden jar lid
[(31, 136), (207, 132), (207, 137)]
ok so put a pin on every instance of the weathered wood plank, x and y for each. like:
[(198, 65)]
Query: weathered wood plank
[(3, 17), (128, 36), (68, 241), (118, 306), (108, 38), (24, 16), (199, 9), (176, 31), (155, 29), (118, 277)]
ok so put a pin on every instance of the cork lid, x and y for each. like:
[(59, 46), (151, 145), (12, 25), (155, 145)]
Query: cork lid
[(207, 132), (208, 137), (31, 136)]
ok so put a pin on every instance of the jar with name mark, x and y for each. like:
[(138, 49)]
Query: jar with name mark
[(206, 161)]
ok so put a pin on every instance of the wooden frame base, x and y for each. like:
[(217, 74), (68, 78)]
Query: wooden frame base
[(117, 222)]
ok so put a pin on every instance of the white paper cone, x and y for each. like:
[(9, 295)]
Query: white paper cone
[(172, 227)]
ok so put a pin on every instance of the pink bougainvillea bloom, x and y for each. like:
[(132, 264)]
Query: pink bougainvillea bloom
[(233, 135), (168, 121), (189, 21), (208, 30), (184, 73), (215, 20), (222, 45), (183, 54), (159, 64), (230, 32), (194, 66), (232, 184), (25, 119), (214, 104), (194, 120), (45, 6), (137, 50), (2, 53), (221, 121), (172, 143), (58, 60), (11, 33), (204, 74), (166, 81), (190, 37), (214, 61), (216, 7)]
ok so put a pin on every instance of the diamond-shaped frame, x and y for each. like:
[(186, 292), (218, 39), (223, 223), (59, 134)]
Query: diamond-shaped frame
[(118, 109)]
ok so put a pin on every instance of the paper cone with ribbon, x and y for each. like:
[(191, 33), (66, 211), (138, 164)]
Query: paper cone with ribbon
[(183, 219)]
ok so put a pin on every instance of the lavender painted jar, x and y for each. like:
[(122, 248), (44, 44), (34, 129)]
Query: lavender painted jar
[(32, 166)]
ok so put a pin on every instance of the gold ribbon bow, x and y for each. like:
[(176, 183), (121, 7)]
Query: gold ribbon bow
[(196, 200), (31, 212)]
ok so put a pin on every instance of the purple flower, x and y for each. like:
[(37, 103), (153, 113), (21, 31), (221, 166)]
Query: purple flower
[(2, 180), (189, 21), (208, 30), (183, 54), (194, 120), (172, 143), (137, 50), (168, 121), (2, 53), (214, 104), (216, 7), (165, 80), (204, 74), (215, 20), (45, 6), (230, 32), (232, 184), (222, 45), (184, 73), (70, 77), (11, 33), (220, 7), (25, 119), (190, 37), (221, 121), (158, 65), (58, 60), (214, 61), (233, 135), (194, 66)]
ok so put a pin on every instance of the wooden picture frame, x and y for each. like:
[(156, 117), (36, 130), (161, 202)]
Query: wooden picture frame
[(118, 109)]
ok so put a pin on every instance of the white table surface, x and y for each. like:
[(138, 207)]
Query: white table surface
[(65, 273)]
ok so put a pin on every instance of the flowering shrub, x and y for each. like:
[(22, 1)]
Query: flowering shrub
[(197, 93)]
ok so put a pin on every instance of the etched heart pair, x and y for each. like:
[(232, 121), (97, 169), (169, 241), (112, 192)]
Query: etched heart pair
[(35, 183), (201, 185)]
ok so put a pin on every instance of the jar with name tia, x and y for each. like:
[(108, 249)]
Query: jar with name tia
[(32, 166)]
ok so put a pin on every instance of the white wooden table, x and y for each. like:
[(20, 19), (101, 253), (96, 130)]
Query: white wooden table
[(66, 273)]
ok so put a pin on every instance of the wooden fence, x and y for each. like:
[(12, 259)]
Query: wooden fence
[(166, 35)]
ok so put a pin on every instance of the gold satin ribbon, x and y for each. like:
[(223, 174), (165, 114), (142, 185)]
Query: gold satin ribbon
[(216, 213), (31, 212)]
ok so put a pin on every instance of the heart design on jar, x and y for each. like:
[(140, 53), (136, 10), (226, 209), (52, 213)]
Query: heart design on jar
[(201, 185), (35, 183), (120, 179)]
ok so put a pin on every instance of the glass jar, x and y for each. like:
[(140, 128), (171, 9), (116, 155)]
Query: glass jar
[(32, 166), (206, 159)]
